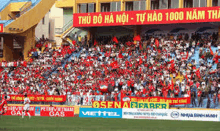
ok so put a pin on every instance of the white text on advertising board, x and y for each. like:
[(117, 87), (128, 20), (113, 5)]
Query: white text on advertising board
[(100, 113)]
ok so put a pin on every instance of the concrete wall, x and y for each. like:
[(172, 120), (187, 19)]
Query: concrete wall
[(67, 15), (57, 14), (43, 28), (56, 22), (52, 29), (190, 28)]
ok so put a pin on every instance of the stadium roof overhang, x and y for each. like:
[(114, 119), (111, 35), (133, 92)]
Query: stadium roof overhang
[(13, 35)]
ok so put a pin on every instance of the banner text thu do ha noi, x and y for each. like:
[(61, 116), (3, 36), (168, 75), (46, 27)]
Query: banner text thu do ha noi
[(167, 16)]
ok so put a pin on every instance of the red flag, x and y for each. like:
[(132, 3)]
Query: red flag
[(140, 60), (211, 51), (1, 69), (157, 43), (73, 42), (114, 39), (186, 77), (24, 63), (202, 56), (120, 55), (172, 85), (216, 58), (161, 83), (137, 38), (198, 73), (172, 65), (95, 42), (170, 62), (213, 72)]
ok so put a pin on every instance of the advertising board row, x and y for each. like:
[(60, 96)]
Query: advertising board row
[(42, 111), (156, 114), (164, 16)]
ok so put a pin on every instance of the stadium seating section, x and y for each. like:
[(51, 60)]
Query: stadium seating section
[(166, 66)]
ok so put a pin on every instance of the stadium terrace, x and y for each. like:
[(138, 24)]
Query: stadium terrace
[(108, 51)]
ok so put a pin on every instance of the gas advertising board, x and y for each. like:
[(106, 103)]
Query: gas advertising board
[(42, 111)]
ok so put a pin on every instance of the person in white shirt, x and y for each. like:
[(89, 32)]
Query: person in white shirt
[(26, 106)]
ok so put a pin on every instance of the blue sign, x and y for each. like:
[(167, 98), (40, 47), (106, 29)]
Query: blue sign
[(100, 112), (37, 111)]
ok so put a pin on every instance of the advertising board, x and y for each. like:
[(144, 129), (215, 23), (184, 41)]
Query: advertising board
[(114, 104), (42, 111), (168, 114), (57, 111), (100, 112), (17, 110)]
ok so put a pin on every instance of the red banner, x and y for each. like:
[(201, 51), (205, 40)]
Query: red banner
[(171, 101), (1, 28), (42, 111), (166, 16), (39, 98)]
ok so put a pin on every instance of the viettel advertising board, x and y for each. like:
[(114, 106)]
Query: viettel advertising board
[(100, 112)]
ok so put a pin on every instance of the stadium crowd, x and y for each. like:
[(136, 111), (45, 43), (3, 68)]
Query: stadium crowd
[(124, 66)]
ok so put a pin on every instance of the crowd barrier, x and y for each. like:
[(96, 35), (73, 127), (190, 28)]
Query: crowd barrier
[(180, 102), (86, 100)]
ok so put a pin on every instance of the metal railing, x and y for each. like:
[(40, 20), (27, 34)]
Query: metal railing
[(65, 27), (24, 8), (54, 68)]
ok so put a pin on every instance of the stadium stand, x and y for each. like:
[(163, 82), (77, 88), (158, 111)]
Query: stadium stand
[(166, 66)]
